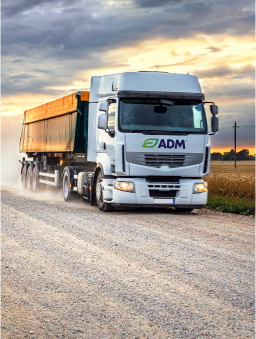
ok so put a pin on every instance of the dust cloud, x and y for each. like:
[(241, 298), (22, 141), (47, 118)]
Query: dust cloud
[(11, 127), (10, 142)]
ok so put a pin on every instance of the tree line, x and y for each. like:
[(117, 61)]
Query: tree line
[(230, 156)]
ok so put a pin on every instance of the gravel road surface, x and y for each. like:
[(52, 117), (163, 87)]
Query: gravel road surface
[(70, 271)]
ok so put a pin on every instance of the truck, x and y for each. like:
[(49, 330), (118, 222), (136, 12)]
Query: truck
[(134, 139)]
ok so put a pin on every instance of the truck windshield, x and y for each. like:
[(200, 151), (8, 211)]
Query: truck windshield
[(155, 115)]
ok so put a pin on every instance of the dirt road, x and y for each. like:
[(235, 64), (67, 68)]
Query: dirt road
[(70, 271)]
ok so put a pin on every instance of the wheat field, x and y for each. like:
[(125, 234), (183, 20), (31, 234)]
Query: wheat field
[(225, 180)]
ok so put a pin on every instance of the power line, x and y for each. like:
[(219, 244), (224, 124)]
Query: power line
[(226, 123), (233, 127)]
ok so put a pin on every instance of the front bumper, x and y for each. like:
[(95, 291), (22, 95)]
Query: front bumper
[(181, 193)]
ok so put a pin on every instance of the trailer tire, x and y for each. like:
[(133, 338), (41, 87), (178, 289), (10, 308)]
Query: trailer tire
[(103, 206), (29, 179), (34, 181), (23, 178)]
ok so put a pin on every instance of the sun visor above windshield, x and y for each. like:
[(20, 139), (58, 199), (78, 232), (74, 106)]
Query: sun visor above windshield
[(157, 95)]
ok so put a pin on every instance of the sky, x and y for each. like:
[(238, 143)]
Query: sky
[(51, 48)]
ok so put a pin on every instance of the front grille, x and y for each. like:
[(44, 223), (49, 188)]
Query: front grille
[(159, 160), (163, 179), (162, 194)]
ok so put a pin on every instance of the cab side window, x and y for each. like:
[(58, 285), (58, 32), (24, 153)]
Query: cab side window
[(111, 116)]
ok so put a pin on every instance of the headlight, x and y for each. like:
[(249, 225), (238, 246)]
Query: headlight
[(124, 186), (199, 188)]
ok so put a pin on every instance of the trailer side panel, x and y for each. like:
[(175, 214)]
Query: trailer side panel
[(59, 126)]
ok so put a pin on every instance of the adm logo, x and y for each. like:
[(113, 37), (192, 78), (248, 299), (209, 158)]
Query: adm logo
[(169, 143)]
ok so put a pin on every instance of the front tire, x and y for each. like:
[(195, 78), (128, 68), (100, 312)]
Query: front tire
[(103, 206), (66, 190)]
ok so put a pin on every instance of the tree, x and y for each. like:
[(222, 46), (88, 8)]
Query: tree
[(216, 156), (229, 155), (242, 154)]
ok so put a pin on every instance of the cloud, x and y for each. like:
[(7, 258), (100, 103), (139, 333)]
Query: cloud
[(56, 42), (11, 8), (81, 26), (225, 71), (190, 62), (155, 3), (213, 49), (20, 77), (52, 47)]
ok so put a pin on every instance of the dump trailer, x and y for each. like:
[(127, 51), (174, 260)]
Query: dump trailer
[(136, 139)]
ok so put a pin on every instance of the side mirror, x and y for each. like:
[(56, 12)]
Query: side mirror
[(214, 109), (103, 106), (215, 124), (102, 121)]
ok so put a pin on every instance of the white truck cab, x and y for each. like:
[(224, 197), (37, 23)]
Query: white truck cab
[(148, 135)]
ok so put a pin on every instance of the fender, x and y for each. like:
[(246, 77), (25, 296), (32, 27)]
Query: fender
[(96, 171)]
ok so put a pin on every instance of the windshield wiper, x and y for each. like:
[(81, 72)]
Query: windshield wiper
[(178, 133), (136, 131), (145, 131), (156, 132)]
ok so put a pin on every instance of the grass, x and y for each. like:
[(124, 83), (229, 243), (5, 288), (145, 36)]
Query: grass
[(231, 205), (232, 190)]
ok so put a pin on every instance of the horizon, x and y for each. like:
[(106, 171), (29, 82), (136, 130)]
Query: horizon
[(220, 150)]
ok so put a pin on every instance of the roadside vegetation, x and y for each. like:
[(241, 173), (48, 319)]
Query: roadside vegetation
[(230, 156), (232, 190), (231, 205)]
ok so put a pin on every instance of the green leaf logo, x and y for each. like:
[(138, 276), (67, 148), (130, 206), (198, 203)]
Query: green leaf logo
[(149, 143)]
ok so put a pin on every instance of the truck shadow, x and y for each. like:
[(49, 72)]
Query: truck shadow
[(152, 210)]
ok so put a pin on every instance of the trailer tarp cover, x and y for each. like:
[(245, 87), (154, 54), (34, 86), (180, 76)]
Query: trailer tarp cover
[(54, 108), (57, 126)]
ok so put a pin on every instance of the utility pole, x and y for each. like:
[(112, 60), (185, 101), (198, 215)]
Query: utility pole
[(235, 141), (235, 127)]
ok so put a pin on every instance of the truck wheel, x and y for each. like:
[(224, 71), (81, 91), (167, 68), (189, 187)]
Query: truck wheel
[(34, 181), (184, 209), (103, 206), (23, 178), (66, 191), (29, 179)]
